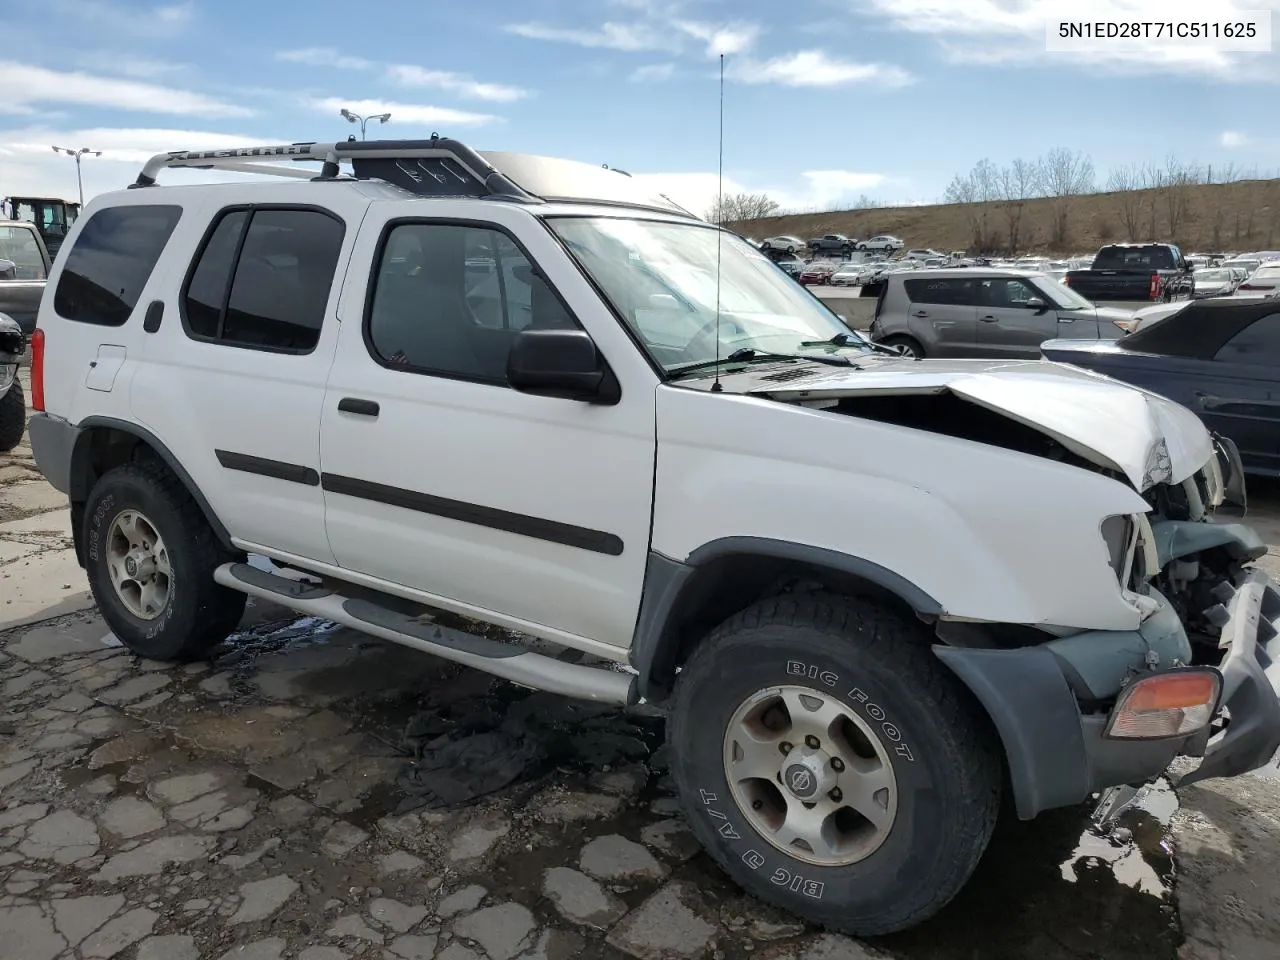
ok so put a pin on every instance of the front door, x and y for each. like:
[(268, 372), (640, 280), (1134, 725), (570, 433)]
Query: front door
[(529, 511), (1009, 323)]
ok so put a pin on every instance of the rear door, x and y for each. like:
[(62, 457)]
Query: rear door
[(1009, 325), (942, 315), (236, 359)]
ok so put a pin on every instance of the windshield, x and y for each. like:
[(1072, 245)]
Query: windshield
[(1213, 276), (1060, 295), (661, 279), (18, 245)]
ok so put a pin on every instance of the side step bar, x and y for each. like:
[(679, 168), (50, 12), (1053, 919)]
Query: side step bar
[(508, 661)]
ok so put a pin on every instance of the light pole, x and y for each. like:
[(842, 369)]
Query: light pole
[(78, 154), (356, 118)]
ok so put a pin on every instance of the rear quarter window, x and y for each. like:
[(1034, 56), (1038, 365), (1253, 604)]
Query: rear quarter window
[(111, 261)]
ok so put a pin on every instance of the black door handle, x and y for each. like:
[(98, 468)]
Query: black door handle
[(988, 319), (365, 408)]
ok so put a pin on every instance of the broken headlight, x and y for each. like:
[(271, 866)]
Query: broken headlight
[(1117, 533), (1131, 549)]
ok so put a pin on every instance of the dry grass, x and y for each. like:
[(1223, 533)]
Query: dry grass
[(1206, 217)]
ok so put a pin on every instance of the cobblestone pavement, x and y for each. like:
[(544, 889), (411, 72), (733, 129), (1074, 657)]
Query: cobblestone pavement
[(261, 805)]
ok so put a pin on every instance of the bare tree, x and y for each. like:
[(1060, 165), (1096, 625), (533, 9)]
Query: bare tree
[(1126, 183), (1176, 181), (1062, 176), (1152, 183), (1016, 184), (734, 207), (976, 189)]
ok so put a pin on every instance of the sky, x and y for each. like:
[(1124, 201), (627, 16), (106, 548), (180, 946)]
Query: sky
[(825, 101)]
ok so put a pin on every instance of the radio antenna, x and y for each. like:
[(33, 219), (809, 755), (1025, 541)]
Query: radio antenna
[(716, 387)]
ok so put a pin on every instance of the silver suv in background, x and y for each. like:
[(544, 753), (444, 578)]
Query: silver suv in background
[(976, 312)]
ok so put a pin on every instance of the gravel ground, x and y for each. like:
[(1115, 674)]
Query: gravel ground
[(274, 801)]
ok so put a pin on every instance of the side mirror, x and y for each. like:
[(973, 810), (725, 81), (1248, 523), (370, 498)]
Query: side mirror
[(1036, 304), (561, 363)]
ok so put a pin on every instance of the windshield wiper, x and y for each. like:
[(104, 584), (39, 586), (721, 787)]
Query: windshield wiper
[(751, 355), (849, 340)]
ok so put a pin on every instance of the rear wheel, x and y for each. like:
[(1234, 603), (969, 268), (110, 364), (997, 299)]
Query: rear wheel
[(832, 765), (150, 555), (13, 417), (906, 346)]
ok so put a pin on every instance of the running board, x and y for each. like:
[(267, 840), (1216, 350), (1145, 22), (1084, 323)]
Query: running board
[(509, 661)]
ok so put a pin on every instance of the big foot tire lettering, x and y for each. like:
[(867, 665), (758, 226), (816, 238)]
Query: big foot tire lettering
[(832, 765)]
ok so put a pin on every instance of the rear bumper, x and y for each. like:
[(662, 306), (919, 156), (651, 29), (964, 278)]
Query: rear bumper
[(53, 443), (1058, 756)]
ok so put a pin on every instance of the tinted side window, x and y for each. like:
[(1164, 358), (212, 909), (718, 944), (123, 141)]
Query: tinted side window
[(1006, 292), (207, 289), (1258, 343), (111, 261), (448, 299), (951, 292), (263, 279)]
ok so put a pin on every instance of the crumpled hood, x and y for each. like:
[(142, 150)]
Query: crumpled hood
[(1149, 439)]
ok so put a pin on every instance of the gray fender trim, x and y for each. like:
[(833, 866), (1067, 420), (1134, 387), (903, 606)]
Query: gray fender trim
[(666, 581), (1176, 539), (1035, 713), (53, 443), (79, 488)]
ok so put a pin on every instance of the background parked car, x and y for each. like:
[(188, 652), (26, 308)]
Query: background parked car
[(833, 244), (885, 243), (818, 273), (793, 268), (1151, 272), (1219, 358), (13, 405), (24, 265), (785, 244), (1263, 282), (847, 275), (1213, 282), (983, 312)]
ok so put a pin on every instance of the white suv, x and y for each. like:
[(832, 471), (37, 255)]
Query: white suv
[(524, 391)]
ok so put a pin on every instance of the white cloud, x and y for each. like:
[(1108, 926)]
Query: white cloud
[(455, 83), (405, 112), (727, 39), (611, 36), (176, 13), (323, 57), (26, 87), (815, 68), (817, 189), (1234, 138), (1000, 32), (29, 167), (653, 72), (128, 65)]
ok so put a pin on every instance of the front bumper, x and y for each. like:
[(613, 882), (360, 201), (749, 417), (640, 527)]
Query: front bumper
[(1250, 681), (1058, 755)]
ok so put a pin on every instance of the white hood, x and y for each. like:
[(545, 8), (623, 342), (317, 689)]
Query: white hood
[(1149, 439)]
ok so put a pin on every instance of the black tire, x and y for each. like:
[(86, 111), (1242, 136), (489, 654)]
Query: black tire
[(945, 758), (199, 612), (909, 345), (13, 417)]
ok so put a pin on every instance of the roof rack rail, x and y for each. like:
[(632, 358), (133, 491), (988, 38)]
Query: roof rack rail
[(435, 167), (438, 167)]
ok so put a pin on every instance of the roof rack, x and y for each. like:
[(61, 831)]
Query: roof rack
[(438, 167)]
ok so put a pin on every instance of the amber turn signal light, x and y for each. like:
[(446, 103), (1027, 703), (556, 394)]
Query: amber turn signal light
[(1171, 704)]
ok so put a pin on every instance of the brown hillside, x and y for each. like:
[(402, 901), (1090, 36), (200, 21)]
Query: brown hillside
[(1205, 217)]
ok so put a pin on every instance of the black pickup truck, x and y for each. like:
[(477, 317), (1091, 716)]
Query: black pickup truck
[(1145, 272), (24, 265)]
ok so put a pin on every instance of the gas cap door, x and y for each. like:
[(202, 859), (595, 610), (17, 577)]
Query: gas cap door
[(103, 370)]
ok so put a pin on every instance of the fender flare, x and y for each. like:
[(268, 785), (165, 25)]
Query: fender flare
[(668, 583), (79, 486)]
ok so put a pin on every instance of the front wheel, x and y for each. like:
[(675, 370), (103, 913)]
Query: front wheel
[(13, 417), (906, 346), (862, 246), (150, 555), (832, 765)]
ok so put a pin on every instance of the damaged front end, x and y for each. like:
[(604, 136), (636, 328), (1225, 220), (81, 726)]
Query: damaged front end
[(1200, 677)]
